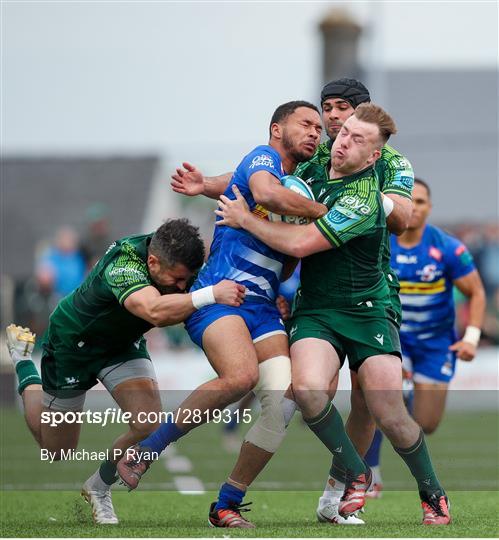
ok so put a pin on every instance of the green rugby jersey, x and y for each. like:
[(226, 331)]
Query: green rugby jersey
[(393, 172), (92, 319), (355, 226)]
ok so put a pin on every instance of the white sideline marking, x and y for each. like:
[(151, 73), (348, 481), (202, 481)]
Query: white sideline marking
[(178, 464), (174, 463), (189, 485)]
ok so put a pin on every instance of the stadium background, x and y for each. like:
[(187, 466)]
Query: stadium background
[(100, 102)]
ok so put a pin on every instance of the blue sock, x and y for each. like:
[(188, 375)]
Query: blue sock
[(228, 496), (162, 437), (372, 456)]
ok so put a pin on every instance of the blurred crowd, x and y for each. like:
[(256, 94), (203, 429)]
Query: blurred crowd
[(63, 262)]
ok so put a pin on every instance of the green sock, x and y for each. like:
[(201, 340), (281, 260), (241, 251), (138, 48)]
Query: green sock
[(328, 426), (107, 472), (27, 374), (337, 471), (418, 460)]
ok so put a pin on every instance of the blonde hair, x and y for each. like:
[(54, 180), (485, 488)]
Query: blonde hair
[(373, 114)]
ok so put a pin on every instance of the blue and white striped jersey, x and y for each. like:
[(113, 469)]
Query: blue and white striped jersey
[(426, 273), (236, 254)]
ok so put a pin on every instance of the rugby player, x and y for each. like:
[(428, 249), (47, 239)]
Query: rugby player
[(248, 344), (339, 99), (343, 309), (96, 333), (429, 263)]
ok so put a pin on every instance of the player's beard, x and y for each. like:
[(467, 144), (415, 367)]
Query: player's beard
[(168, 289), (295, 153)]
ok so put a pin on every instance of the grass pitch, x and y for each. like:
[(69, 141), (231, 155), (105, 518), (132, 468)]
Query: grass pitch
[(276, 514), (39, 499)]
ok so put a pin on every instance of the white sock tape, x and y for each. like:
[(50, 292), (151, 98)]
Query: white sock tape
[(472, 335), (388, 205), (203, 297)]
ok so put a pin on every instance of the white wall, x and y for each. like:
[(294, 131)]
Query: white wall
[(198, 79)]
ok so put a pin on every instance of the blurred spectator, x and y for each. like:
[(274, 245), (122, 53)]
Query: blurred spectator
[(65, 261), (96, 238), (490, 259), (491, 323), (36, 299)]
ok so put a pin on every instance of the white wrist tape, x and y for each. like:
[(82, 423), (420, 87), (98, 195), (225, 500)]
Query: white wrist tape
[(388, 205), (472, 335), (203, 297)]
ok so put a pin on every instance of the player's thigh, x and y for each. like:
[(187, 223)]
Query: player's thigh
[(429, 404), (380, 378), (62, 430), (270, 347), (133, 385), (314, 364), (141, 398), (229, 348)]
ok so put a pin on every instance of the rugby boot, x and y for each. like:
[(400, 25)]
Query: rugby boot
[(133, 465), (354, 496), (327, 512), (229, 517), (20, 342), (101, 504), (436, 508)]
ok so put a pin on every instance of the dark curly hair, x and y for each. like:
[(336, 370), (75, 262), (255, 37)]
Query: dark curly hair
[(178, 242)]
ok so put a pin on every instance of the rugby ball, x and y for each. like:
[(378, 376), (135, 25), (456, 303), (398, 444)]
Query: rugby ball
[(298, 186)]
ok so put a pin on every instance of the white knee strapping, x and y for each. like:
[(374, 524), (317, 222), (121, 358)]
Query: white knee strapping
[(270, 428)]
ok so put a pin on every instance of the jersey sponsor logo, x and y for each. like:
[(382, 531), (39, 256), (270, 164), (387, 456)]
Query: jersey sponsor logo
[(380, 338), (71, 381), (263, 160), (322, 191), (407, 181), (339, 215), (464, 255), (406, 259), (435, 253), (428, 272), (355, 204), (127, 270)]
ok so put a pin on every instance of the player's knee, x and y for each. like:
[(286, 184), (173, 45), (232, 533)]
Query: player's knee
[(238, 385), (390, 423), (429, 426), (269, 430), (307, 391)]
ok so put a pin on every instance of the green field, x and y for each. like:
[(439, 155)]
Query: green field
[(42, 499), (281, 514)]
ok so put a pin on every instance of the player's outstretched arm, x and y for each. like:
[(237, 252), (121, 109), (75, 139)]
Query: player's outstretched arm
[(472, 287), (398, 213), (269, 192), (295, 240), (168, 309), (187, 180)]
